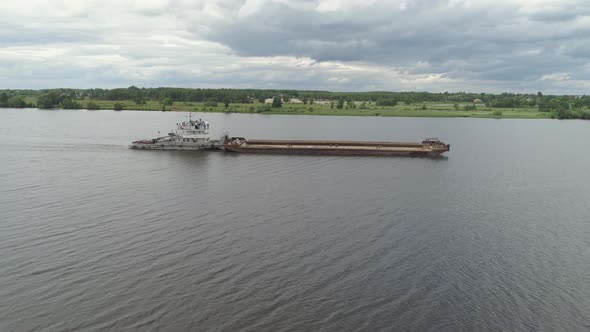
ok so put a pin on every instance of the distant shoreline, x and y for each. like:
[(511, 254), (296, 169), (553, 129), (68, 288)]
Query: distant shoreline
[(433, 110), (305, 102)]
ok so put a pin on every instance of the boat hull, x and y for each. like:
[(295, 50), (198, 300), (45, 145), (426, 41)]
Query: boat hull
[(175, 147), (328, 152), (338, 148)]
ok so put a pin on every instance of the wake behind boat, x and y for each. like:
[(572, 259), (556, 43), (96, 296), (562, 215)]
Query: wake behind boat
[(189, 135)]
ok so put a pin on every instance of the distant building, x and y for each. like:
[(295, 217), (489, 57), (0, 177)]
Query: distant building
[(295, 101), (269, 100), (322, 101), (477, 101)]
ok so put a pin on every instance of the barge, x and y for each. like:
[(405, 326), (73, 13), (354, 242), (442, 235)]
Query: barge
[(430, 147)]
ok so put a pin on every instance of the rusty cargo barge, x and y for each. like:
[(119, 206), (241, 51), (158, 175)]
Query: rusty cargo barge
[(430, 147)]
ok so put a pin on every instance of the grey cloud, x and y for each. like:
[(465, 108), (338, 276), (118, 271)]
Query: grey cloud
[(554, 17), (432, 32), (432, 45), (13, 34)]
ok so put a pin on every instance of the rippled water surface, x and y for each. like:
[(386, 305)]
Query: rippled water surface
[(94, 236)]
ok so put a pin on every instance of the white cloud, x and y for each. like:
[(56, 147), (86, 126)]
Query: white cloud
[(556, 77)]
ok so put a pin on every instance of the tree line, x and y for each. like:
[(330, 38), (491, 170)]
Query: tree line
[(13, 101), (563, 106), (249, 95)]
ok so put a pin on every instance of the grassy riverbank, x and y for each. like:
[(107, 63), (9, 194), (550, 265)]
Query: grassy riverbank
[(369, 109)]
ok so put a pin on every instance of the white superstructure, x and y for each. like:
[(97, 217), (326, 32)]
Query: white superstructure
[(188, 135)]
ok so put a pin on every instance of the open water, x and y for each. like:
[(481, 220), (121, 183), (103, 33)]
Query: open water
[(94, 236)]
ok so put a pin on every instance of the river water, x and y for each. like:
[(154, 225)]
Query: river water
[(94, 236)]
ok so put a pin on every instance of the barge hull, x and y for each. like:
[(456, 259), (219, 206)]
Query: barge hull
[(331, 152), (341, 148)]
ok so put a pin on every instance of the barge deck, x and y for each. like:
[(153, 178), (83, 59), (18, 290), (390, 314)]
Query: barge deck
[(431, 147)]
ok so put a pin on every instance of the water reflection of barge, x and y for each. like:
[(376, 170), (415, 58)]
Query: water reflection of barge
[(429, 147)]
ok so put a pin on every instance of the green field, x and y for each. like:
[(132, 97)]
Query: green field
[(400, 110)]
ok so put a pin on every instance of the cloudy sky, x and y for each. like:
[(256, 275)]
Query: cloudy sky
[(340, 45)]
